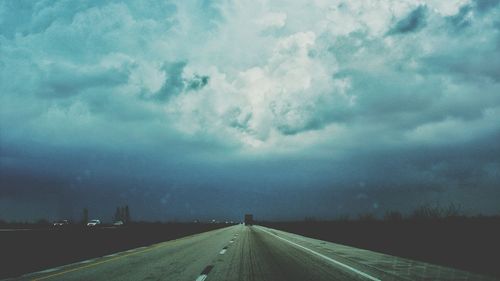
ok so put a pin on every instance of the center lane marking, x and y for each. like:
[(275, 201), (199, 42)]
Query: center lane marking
[(204, 273), (202, 277), (323, 256)]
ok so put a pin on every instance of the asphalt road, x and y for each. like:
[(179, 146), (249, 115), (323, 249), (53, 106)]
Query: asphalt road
[(250, 253)]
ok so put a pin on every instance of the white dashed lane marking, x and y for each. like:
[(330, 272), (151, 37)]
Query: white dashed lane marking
[(204, 273)]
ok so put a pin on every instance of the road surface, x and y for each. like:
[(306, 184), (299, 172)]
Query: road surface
[(250, 253)]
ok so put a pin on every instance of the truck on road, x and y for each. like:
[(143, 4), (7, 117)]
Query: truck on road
[(248, 219)]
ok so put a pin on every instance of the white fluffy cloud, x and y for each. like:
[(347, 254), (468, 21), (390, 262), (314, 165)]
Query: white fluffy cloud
[(253, 75)]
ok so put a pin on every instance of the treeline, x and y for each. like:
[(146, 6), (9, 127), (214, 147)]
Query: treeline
[(122, 214), (423, 213)]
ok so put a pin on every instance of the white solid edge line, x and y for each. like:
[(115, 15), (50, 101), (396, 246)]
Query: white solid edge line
[(49, 270), (111, 255), (325, 257), (201, 277)]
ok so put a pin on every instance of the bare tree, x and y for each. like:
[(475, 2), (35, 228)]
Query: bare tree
[(127, 214), (118, 214), (85, 218)]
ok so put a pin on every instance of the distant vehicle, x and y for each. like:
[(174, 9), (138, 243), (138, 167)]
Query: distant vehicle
[(94, 223), (61, 223), (118, 223), (248, 219)]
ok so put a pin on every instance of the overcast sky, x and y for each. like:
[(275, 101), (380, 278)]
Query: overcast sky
[(285, 109)]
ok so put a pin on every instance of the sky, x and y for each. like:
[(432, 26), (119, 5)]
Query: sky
[(204, 109)]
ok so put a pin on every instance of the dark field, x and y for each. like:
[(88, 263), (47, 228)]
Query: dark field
[(471, 244), (24, 251)]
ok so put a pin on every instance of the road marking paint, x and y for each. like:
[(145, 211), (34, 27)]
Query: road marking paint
[(324, 257), (86, 261), (202, 277), (50, 270), (223, 251), (112, 255), (207, 270), (204, 273)]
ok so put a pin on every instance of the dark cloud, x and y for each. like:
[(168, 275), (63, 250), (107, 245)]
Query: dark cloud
[(197, 82), (465, 15), (469, 65), (485, 5), (413, 22), (462, 19), (175, 83), (172, 187), (192, 110), (63, 81)]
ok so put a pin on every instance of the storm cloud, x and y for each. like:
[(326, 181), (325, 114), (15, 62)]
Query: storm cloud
[(412, 22), (200, 109)]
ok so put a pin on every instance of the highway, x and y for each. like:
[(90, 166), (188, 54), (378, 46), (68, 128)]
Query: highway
[(250, 253)]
